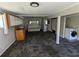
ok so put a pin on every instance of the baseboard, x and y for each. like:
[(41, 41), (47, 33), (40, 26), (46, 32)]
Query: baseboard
[(78, 38), (7, 48), (61, 36)]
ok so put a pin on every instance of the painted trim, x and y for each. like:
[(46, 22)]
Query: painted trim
[(7, 48), (5, 23), (64, 27), (58, 29)]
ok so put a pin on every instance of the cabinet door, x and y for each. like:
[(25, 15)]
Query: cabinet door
[(20, 34)]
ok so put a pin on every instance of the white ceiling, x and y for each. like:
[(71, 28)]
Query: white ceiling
[(45, 8)]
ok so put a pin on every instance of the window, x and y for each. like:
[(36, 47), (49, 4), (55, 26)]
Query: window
[(1, 22), (33, 22)]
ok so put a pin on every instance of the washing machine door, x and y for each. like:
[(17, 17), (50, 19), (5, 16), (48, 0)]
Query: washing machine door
[(73, 33)]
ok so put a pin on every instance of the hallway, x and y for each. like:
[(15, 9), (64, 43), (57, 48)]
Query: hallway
[(42, 44)]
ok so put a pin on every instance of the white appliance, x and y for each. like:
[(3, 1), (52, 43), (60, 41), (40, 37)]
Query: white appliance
[(71, 34)]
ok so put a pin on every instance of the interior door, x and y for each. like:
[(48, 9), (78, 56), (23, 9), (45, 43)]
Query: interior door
[(54, 24)]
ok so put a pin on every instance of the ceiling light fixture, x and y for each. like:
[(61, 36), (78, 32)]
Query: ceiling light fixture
[(34, 4)]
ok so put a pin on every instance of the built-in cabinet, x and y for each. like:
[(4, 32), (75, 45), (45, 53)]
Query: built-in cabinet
[(20, 34)]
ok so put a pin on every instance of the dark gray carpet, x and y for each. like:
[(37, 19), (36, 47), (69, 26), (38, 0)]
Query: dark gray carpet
[(42, 44)]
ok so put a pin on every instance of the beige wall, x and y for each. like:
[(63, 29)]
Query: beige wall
[(62, 26), (73, 21), (6, 40)]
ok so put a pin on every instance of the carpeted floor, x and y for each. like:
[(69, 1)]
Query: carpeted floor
[(42, 44)]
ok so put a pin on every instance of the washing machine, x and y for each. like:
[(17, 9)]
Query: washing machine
[(71, 34)]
